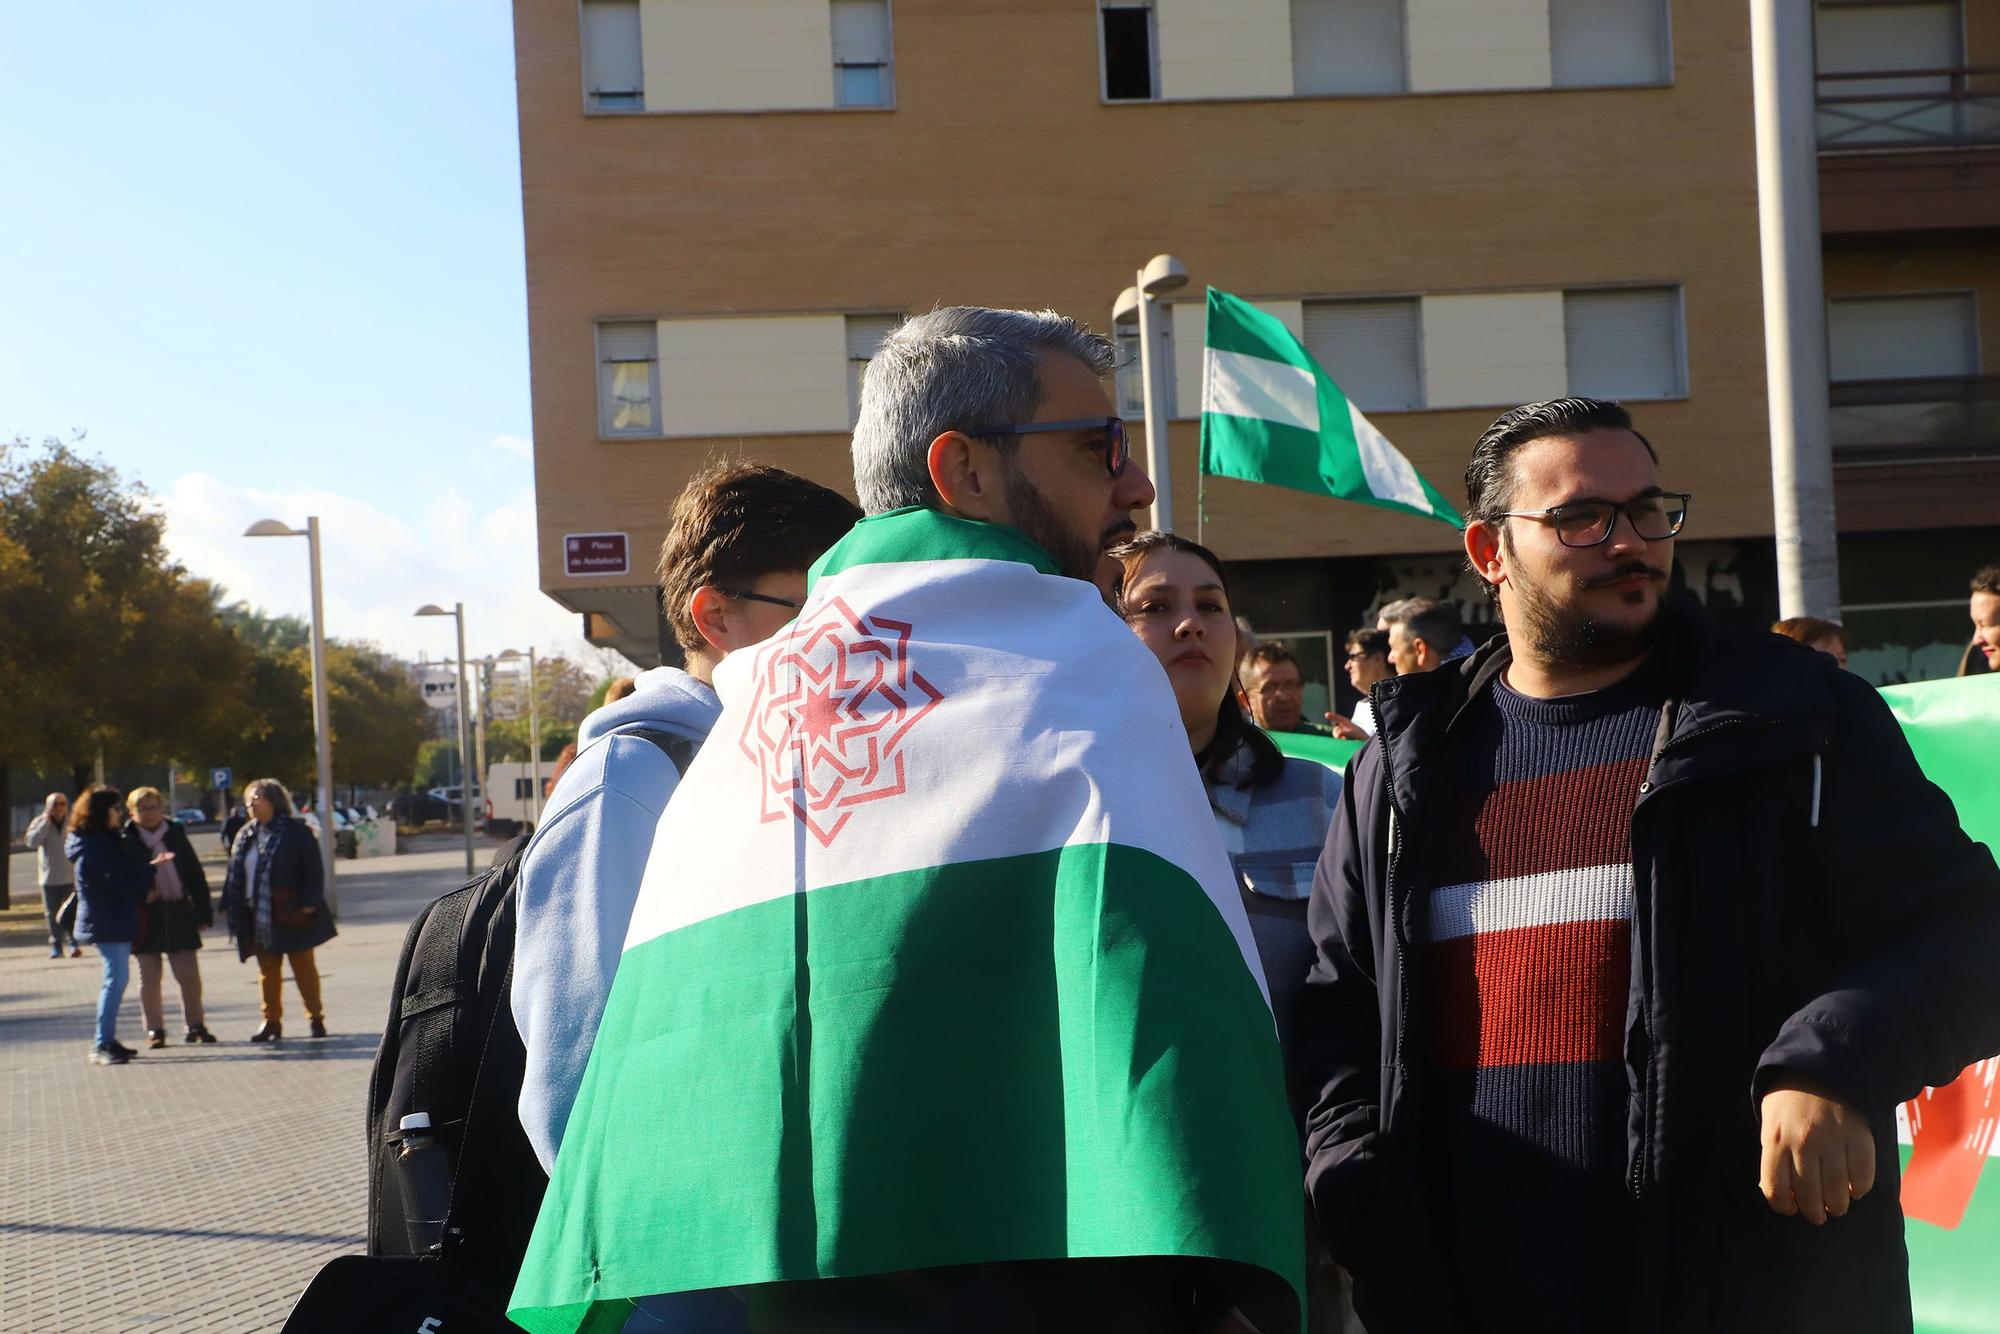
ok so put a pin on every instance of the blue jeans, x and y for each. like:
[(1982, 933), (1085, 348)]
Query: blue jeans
[(117, 956)]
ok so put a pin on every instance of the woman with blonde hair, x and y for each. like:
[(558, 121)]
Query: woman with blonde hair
[(274, 897), (171, 918)]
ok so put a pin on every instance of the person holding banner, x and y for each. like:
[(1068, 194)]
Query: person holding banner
[(1586, 891)]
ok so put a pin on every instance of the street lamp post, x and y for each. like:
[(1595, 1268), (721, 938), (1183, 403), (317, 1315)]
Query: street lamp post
[(322, 726), (1162, 274), (457, 613)]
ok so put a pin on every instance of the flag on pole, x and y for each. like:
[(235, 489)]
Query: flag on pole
[(1270, 413), (937, 960)]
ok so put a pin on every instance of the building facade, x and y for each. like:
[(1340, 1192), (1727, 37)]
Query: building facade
[(1459, 205)]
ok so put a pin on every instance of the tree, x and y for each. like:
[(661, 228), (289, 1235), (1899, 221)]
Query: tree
[(378, 718)]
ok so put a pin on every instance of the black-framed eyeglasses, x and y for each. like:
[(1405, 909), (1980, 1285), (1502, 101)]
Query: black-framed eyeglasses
[(1588, 523), (1116, 448), (761, 597)]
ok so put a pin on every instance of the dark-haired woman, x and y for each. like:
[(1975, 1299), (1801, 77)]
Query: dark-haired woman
[(274, 897), (110, 883), (1272, 811)]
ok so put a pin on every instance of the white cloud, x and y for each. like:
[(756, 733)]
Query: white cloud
[(519, 446), (378, 568)]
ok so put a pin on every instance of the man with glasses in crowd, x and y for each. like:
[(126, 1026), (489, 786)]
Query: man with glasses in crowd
[(1366, 662), (1631, 934), (1275, 690)]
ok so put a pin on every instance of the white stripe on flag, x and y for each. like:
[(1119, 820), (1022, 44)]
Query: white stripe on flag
[(1586, 894), (1389, 474), (1236, 384)]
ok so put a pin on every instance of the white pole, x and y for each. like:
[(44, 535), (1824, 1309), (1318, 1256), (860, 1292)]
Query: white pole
[(322, 724), (465, 777), (1781, 56), (1153, 386), (534, 738)]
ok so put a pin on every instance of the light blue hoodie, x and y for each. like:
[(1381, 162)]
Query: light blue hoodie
[(579, 880)]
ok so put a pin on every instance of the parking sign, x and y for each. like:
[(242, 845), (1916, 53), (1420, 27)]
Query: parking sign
[(218, 780)]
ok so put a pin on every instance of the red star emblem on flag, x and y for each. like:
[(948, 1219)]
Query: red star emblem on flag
[(835, 698)]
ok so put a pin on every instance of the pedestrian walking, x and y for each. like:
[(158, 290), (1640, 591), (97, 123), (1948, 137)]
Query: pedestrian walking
[(238, 817), (110, 882), (54, 874), (172, 917), (1590, 890), (274, 899)]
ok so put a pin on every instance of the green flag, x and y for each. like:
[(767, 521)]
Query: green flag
[(1270, 413)]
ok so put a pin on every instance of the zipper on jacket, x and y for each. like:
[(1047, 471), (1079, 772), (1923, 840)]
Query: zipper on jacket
[(1396, 928)]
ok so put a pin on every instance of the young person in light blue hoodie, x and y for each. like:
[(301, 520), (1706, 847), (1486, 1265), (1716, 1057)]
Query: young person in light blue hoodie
[(732, 573)]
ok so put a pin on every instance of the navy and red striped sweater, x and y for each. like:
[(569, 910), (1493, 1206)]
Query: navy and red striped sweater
[(1528, 973)]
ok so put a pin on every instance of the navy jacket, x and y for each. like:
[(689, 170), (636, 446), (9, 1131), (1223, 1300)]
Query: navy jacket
[(110, 885), (295, 865), (1804, 902)]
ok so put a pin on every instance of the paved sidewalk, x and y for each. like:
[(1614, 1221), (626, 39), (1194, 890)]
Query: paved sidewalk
[(197, 1188)]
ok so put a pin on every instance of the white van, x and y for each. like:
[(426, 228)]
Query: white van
[(510, 796)]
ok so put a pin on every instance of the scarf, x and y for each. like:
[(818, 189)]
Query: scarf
[(166, 876), (264, 838)]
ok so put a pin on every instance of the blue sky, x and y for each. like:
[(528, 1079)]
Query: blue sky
[(269, 257)]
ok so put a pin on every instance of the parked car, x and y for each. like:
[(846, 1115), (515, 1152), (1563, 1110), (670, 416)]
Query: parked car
[(346, 842), (192, 817)]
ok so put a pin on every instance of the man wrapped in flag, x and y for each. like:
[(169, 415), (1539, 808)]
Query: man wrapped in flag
[(939, 1009)]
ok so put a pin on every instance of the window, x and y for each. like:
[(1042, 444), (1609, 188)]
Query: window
[(614, 74), (1857, 39), (1348, 46), (864, 337), (1599, 42), (1903, 337), (861, 53), (1130, 376), (628, 378), (1370, 348), (1624, 344), (524, 789), (1128, 52)]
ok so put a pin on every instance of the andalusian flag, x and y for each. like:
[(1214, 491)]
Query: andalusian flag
[(1270, 413), (938, 960), (1951, 1135)]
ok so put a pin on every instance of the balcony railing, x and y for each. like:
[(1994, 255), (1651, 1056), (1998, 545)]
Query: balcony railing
[(1955, 107), (1912, 421)]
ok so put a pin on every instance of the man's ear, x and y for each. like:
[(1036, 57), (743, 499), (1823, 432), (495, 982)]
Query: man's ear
[(710, 611), (966, 475), (1483, 550)]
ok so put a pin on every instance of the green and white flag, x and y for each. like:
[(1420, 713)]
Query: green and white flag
[(937, 960), (1270, 413)]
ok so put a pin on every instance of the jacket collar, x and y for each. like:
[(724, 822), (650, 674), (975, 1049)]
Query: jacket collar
[(1734, 699)]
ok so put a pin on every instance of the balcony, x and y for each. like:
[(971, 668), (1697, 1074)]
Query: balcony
[(1906, 151), (1916, 453), (1869, 111)]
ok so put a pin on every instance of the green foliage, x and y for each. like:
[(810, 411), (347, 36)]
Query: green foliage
[(436, 766), (507, 740)]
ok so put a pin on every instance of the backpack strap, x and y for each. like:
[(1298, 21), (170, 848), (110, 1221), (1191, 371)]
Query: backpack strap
[(681, 750), (431, 1012)]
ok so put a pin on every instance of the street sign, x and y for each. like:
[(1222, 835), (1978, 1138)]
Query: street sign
[(218, 780), (596, 553), (440, 689)]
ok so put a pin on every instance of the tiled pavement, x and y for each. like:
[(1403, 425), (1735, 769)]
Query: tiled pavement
[(197, 1188)]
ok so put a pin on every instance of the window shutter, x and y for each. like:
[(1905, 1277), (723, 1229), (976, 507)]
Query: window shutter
[(1902, 337), (1370, 348), (636, 341), (866, 332), (1624, 345), (860, 32), (1593, 42), (1348, 46), (612, 62)]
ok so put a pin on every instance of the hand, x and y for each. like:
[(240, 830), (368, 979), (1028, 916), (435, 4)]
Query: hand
[(162, 859), (49, 806), (1344, 728), (1818, 1152)]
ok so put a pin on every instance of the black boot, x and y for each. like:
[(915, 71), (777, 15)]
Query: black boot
[(199, 1033), (270, 1032), (319, 1028), (156, 1038)]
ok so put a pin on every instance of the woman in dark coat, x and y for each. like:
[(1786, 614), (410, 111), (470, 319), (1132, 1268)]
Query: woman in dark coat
[(109, 886), (274, 897), (171, 918)]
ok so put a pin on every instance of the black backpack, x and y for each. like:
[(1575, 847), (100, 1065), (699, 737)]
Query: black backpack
[(451, 1049)]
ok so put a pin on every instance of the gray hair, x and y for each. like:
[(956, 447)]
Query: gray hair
[(1436, 623), (272, 791), (956, 368)]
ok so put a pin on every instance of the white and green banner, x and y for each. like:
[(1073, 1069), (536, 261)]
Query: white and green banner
[(1270, 413), (937, 961)]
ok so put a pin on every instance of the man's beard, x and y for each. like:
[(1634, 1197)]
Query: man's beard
[(1037, 518), (1570, 638)]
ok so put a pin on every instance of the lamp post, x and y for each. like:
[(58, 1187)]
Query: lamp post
[(534, 728), (322, 727), (1140, 302), (457, 613)]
